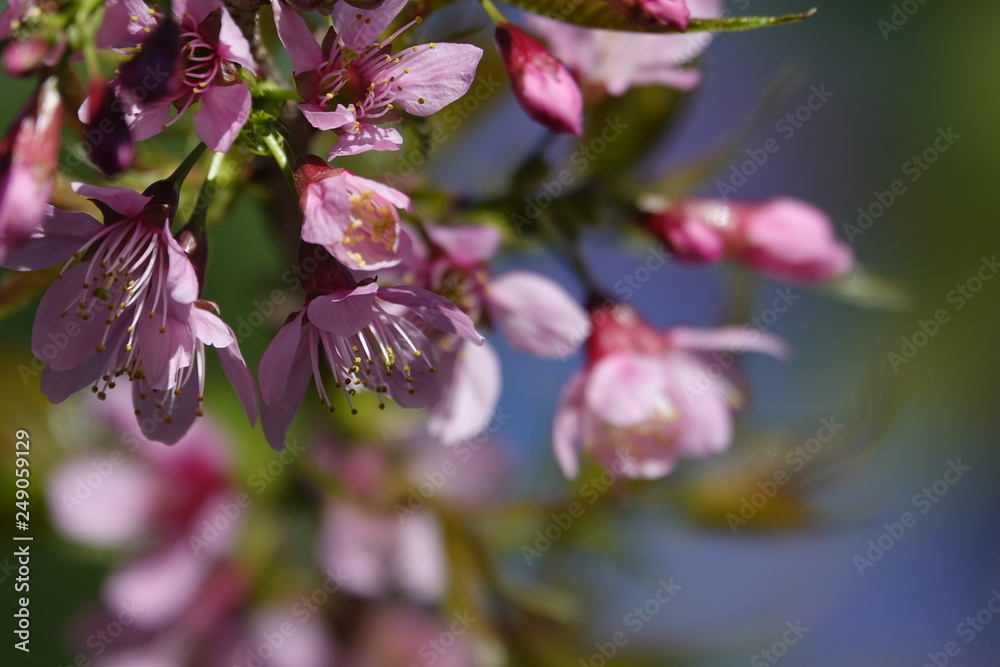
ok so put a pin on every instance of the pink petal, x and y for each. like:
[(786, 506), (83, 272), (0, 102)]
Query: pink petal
[(240, 378), (278, 369), (437, 76), (65, 342), (466, 245), (731, 339), (706, 422), (567, 425), (470, 394), (357, 543), (344, 313), (360, 28), (419, 558), (626, 389), (322, 119), (182, 280), (164, 354), (296, 37), (424, 387), (327, 211), (162, 584), (224, 110), (391, 195), (368, 138), (147, 120), (433, 309), (127, 202), (172, 422), (536, 315), (117, 27), (233, 45), (101, 501), (210, 329), (60, 235)]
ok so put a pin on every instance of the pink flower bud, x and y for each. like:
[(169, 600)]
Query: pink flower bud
[(785, 238), (791, 239), (543, 86)]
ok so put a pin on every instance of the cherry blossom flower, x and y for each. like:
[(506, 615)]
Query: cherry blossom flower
[(200, 61), (27, 166), (351, 83), (785, 238), (646, 397), (130, 308), (355, 219), (346, 325), (542, 85), (533, 313), (612, 62)]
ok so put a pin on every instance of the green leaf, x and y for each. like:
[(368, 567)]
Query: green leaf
[(870, 290), (600, 14)]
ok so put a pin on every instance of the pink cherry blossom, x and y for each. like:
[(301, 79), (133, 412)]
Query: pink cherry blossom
[(351, 84), (200, 60), (533, 313), (785, 238), (355, 219), (647, 397), (130, 308), (350, 327), (542, 85), (27, 166), (613, 61)]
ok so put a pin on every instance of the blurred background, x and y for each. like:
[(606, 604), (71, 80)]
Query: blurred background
[(821, 574)]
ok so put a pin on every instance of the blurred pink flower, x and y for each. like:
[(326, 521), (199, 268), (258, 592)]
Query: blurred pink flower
[(130, 308), (353, 218), (399, 635), (25, 48), (345, 324), (198, 63), (786, 238), (615, 61), (377, 553), (646, 397), (541, 83), (27, 166), (350, 66)]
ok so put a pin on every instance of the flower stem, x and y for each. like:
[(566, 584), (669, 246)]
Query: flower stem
[(493, 12), (185, 167), (271, 140)]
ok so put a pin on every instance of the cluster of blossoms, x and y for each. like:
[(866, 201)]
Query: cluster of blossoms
[(396, 287), (129, 290)]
